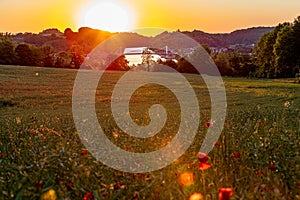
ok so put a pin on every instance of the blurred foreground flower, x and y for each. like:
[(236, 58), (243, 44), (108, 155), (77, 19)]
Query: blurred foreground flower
[(272, 167), (260, 123), (18, 120), (140, 176), (208, 124), (298, 186), (88, 196), (236, 154), (69, 185), (186, 179), (84, 153), (196, 196), (39, 185), (287, 104), (202, 159), (225, 193), (49, 195)]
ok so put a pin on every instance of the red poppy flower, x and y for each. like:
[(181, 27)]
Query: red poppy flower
[(225, 193), (39, 185), (272, 167), (88, 196), (84, 153), (208, 124), (140, 176), (2, 155), (236, 154), (69, 185), (204, 166), (260, 123), (202, 159)]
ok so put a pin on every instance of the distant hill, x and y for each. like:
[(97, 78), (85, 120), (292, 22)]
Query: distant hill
[(89, 38), (242, 37), (212, 40), (52, 37), (247, 36)]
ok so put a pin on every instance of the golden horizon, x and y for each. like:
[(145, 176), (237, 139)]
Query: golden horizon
[(219, 16)]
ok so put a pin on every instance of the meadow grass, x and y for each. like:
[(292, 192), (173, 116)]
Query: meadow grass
[(257, 154)]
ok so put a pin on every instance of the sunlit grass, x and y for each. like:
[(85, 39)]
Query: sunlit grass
[(257, 154)]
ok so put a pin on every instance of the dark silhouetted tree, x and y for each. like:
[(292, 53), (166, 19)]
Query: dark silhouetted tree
[(63, 60), (277, 52), (25, 55), (185, 67), (78, 56), (46, 56), (284, 54), (7, 54), (119, 64), (221, 59)]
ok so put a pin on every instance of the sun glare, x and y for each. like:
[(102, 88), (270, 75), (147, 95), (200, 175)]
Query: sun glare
[(106, 15)]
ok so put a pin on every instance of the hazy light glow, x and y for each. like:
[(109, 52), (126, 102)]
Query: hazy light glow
[(218, 16), (106, 15)]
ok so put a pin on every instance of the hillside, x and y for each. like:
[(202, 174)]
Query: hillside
[(89, 38), (242, 37), (247, 36)]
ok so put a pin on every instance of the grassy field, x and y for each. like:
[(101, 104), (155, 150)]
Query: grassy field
[(42, 157)]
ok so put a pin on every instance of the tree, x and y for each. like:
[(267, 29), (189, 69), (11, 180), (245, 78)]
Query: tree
[(277, 52), (221, 59), (285, 56), (263, 51), (78, 56), (47, 56), (167, 62), (63, 60), (296, 31), (147, 59), (25, 55), (234, 64), (207, 49), (119, 64), (184, 66), (7, 54)]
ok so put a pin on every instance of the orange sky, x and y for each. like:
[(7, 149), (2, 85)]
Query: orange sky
[(214, 16)]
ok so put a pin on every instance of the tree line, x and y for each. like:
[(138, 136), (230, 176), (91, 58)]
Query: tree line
[(68, 52), (275, 55), (31, 55)]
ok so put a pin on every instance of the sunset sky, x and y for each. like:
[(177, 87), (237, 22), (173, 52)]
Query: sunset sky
[(214, 16)]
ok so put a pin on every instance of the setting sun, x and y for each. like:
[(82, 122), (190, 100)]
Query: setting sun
[(106, 15)]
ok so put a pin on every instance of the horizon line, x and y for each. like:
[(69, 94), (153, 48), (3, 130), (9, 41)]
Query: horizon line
[(136, 30)]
